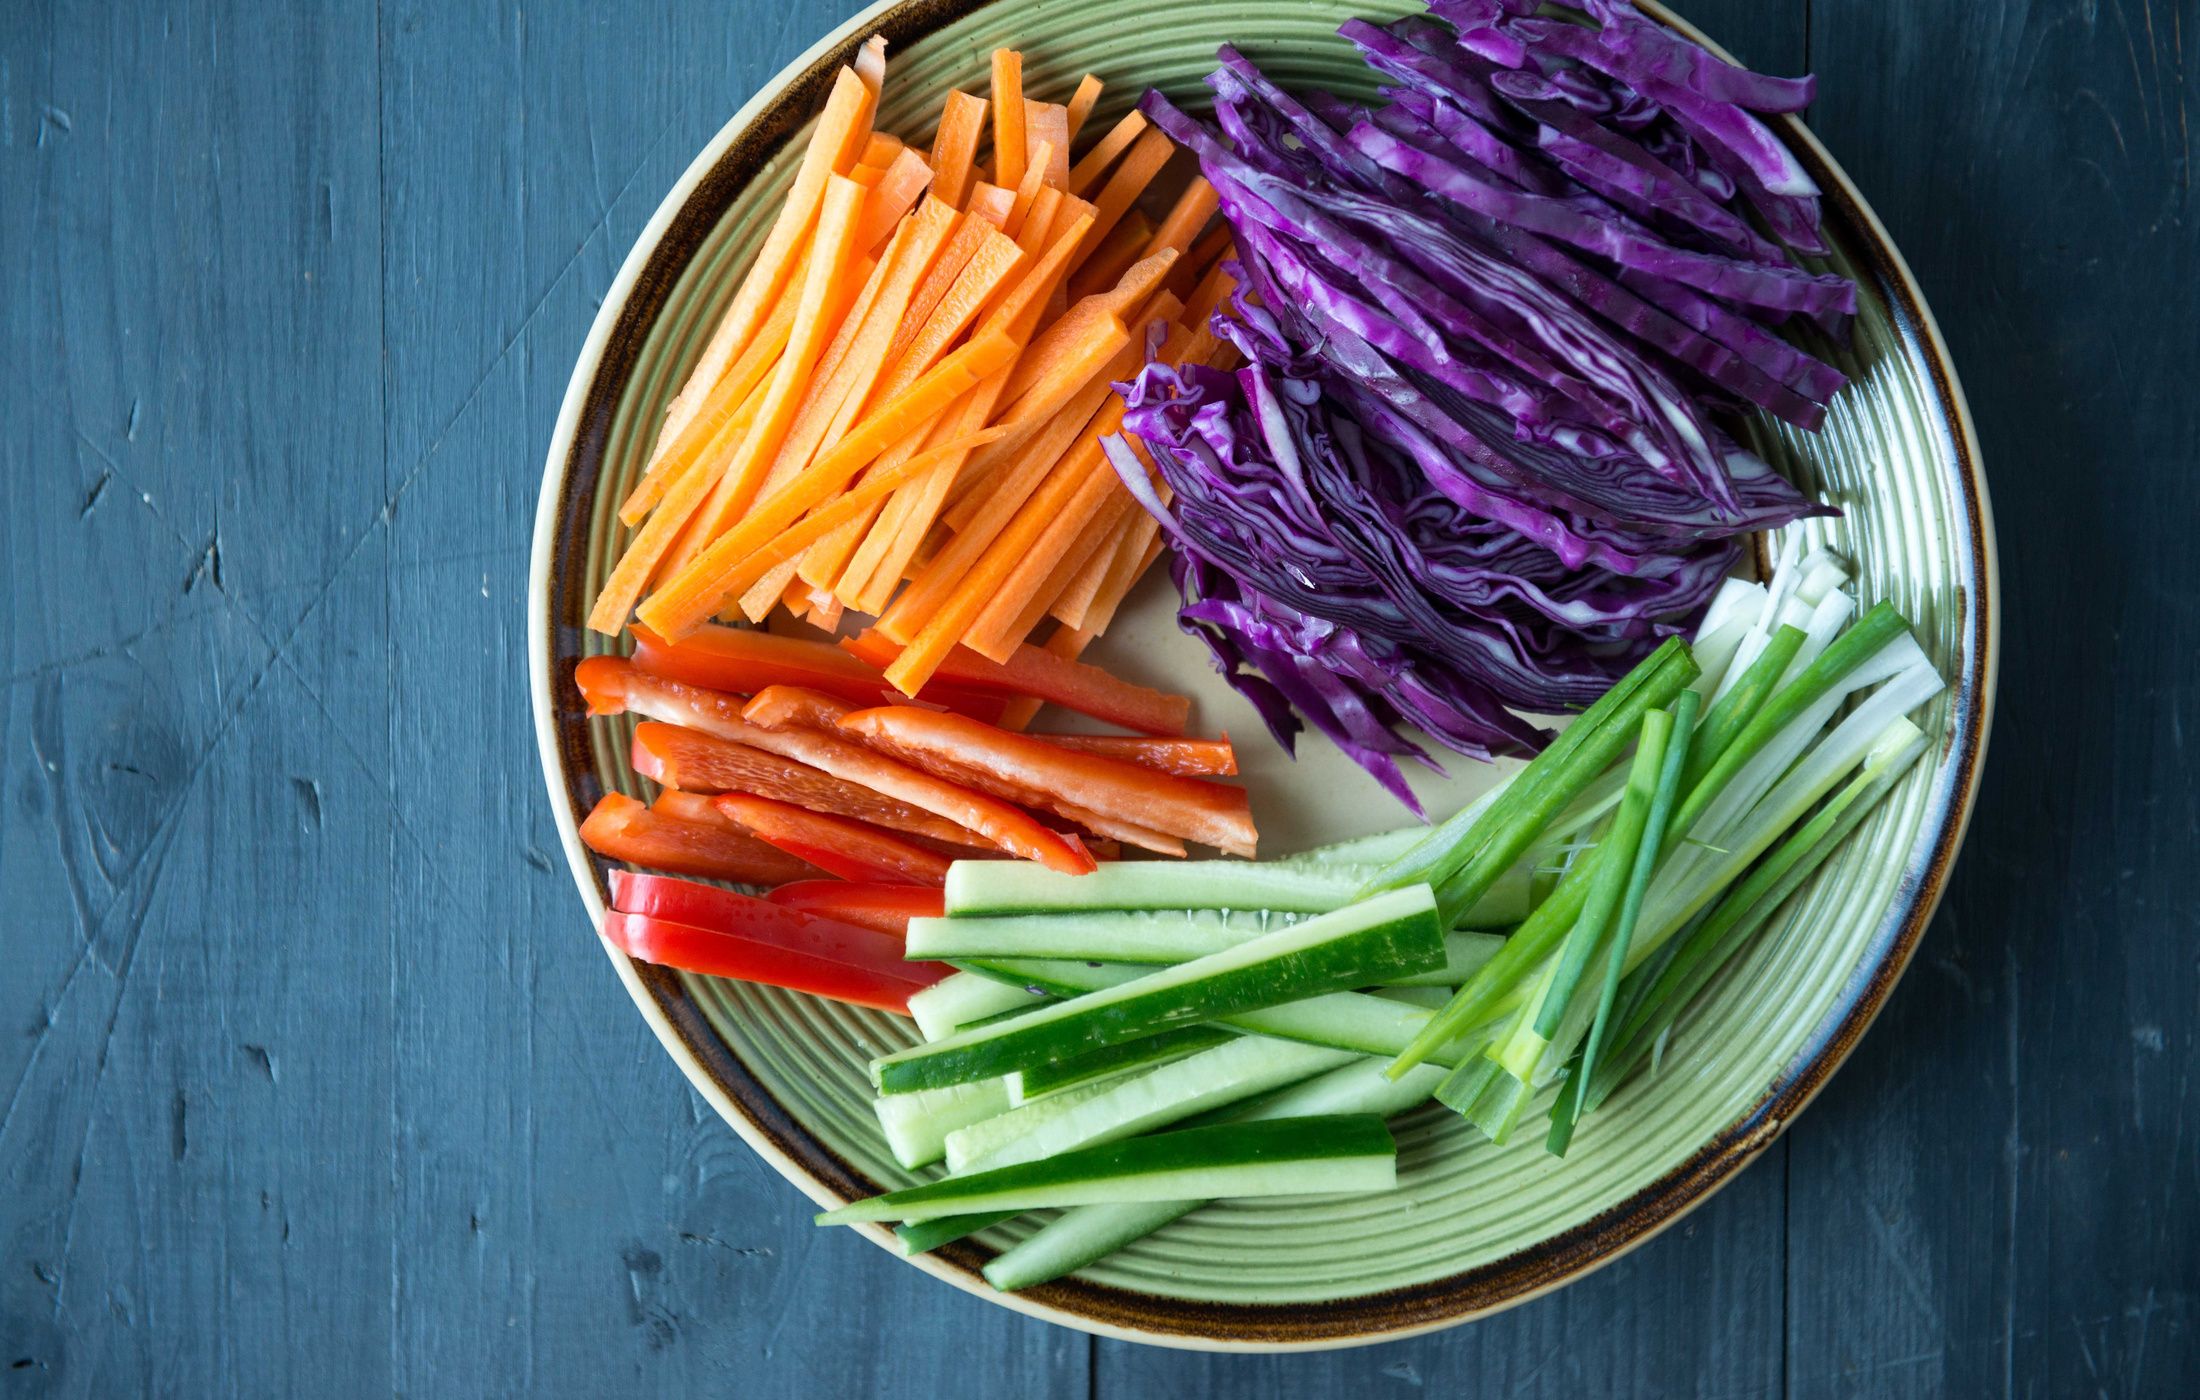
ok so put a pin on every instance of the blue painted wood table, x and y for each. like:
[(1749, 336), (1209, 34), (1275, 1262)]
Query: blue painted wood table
[(312, 1078)]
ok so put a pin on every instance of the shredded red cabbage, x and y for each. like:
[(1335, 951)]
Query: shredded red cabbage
[(1476, 462)]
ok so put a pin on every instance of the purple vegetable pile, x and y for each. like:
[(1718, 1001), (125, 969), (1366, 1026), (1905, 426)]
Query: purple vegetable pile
[(1476, 462)]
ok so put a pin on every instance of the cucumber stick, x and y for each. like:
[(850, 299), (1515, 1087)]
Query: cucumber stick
[(1085, 1234), (1027, 1085), (1391, 935), (1136, 1103), (1144, 937), (917, 1125), (1290, 1157), (1020, 887), (957, 1001)]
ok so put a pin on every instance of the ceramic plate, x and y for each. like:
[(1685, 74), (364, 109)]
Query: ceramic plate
[(1473, 1227)]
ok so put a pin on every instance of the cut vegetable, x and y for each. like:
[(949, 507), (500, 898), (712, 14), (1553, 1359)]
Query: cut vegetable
[(887, 908), (771, 963), (852, 850), (996, 888), (621, 828)]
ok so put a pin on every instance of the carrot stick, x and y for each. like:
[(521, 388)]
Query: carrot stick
[(1209, 295), (1075, 598), (1103, 154), (1118, 587), (1070, 542), (870, 64), (955, 148), (1046, 128), (1147, 155), (880, 149), (867, 175), (1181, 226), (1105, 265), (895, 194), (1008, 118), (992, 203), (842, 130), (1036, 671), (1067, 643), (823, 285), (948, 624), (1081, 103), (969, 235), (693, 595), (1015, 475), (1034, 180), (1084, 319), (711, 435)]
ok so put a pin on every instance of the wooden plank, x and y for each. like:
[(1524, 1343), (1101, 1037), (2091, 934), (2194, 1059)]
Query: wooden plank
[(189, 316), (1998, 1193)]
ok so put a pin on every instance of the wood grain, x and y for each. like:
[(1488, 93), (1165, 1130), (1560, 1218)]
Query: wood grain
[(312, 1078)]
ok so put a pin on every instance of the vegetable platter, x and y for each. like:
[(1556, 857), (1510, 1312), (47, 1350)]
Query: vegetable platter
[(1272, 684)]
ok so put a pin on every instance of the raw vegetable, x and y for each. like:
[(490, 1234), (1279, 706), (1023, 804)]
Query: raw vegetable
[(852, 850), (620, 828), (887, 908), (1300, 1156), (815, 957)]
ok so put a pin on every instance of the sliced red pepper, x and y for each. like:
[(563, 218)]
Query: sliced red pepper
[(806, 926), (1131, 833), (718, 953), (623, 829), (1187, 758), (850, 849), (778, 706), (618, 686), (887, 908), (693, 761), (745, 660), (1206, 812), (1040, 674)]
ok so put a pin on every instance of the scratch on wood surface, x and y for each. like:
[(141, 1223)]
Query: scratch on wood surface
[(92, 497)]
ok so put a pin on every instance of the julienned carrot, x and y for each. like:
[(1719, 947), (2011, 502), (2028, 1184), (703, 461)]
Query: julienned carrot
[(1008, 118), (1067, 643), (988, 819), (759, 569), (955, 147), (968, 236), (874, 570), (842, 130), (734, 483), (689, 760), (1128, 181), (853, 549), (1046, 127), (1129, 567), (1181, 227), (711, 435), (1104, 265), (691, 597), (1210, 813), (870, 65), (621, 828), (1085, 173), (1209, 294), (895, 194), (1084, 319), (1075, 599), (1081, 103), (1048, 675), (1007, 474), (952, 619), (852, 850), (733, 393), (992, 203), (881, 148), (1187, 758), (1028, 190), (867, 175)]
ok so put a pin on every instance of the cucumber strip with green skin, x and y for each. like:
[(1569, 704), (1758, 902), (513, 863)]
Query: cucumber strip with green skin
[(929, 1235), (1144, 938), (1085, 1234), (916, 1125), (1371, 1025), (1393, 935), (1027, 1085), (1020, 887), (953, 1002), (1137, 1103), (1052, 977), (1290, 1157), (1103, 935), (1429, 998)]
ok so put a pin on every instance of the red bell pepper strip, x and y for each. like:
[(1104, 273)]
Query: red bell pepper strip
[(1187, 758), (850, 849), (1130, 833), (808, 926), (693, 761), (744, 661), (717, 953), (887, 908), (1188, 807), (621, 828), (780, 706), (1040, 674), (617, 686)]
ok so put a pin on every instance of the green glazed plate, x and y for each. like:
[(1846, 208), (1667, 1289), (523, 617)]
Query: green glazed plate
[(1473, 1228)]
